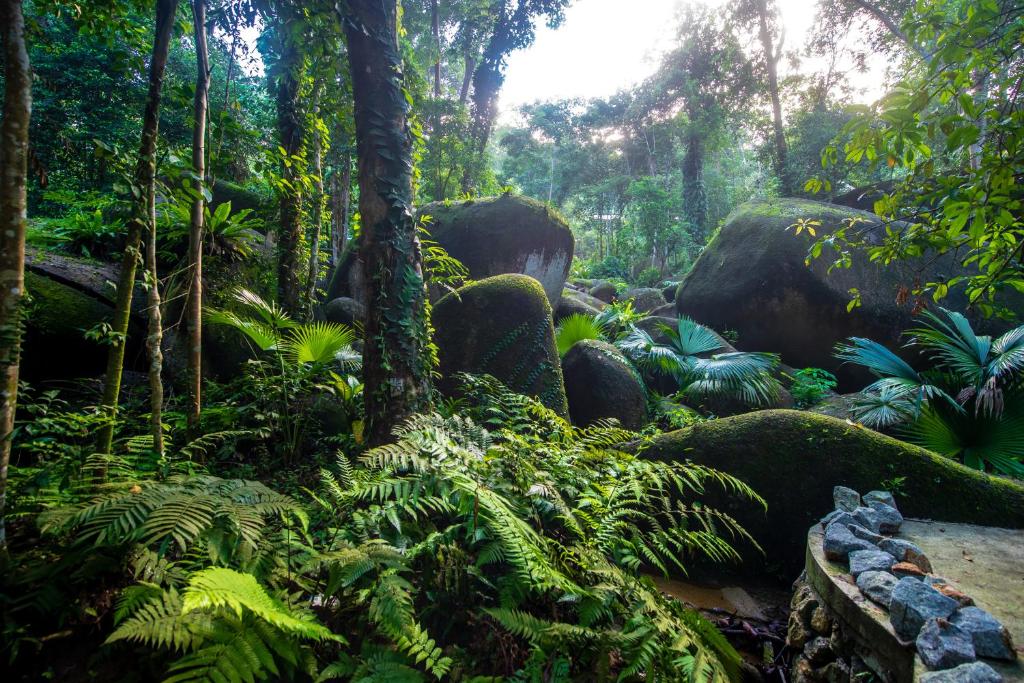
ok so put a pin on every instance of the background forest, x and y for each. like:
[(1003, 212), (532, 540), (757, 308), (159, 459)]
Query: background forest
[(251, 428)]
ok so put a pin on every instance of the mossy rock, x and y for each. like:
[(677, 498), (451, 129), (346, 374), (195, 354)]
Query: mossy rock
[(345, 311), (573, 305), (603, 290), (600, 383), (501, 326), (793, 459), (645, 299), (502, 235), (669, 292), (753, 279), (54, 345)]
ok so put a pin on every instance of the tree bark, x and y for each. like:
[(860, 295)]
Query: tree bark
[(13, 175), (435, 20), (397, 361), (695, 197), (145, 177), (291, 129), (771, 62), (194, 304), (467, 77), (155, 332), (345, 206), (317, 227)]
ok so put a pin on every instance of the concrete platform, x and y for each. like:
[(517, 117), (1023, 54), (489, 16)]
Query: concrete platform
[(986, 563)]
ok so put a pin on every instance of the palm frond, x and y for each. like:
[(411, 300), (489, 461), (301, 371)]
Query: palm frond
[(690, 338), (316, 342), (576, 328)]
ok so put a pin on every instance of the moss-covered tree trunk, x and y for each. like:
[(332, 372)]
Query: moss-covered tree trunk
[(292, 131), (194, 304), (13, 171), (772, 54), (145, 178), (154, 332), (397, 360)]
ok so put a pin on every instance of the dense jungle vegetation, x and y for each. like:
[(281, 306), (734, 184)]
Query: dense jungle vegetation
[(319, 364)]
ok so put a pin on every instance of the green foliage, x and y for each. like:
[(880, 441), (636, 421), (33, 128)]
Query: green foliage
[(618, 318), (967, 406), (811, 385), (688, 355), (575, 328), (950, 132)]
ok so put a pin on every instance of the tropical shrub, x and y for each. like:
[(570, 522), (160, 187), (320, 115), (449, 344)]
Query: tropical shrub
[(968, 405), (685, 357), (618, 317), (811, 385)]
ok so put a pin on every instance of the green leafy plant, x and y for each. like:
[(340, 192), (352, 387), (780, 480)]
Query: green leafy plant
[(618, 317), (811, 385), (575, 328), (969, 405), (688, 355)]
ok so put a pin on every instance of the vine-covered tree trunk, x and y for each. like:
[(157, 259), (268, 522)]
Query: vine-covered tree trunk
[(772, 55), (13, 172), (194, 305), (145, 176), (318, 217), (397, 361), (695, 196), (291, 129), (435, 26)]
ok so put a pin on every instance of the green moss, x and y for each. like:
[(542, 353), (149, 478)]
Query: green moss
[(59, 309), (501, 326), (794, 459)]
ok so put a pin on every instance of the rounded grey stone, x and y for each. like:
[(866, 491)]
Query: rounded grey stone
[(845, 499), (870, 561), (878, 586), (975, 672), (840, 542), (879, 497), (990, 637)]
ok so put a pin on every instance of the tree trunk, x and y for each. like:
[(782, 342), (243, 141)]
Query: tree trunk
[(145, 174), (771, 59), (695, 198), (435, 17), (194, 304), (13, 173), (290, 127), (317, 227), (155, 333), (397, 360), (346, 202), (467, 78)]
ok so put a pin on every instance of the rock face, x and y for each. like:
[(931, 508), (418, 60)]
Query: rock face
[(491, 236), (645, 299), (603, 290), (501, 326), (794, 459), (600, 383), (345, 311), (572, 304), (752, 278)]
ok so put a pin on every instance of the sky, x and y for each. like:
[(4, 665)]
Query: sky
[(602, 48)]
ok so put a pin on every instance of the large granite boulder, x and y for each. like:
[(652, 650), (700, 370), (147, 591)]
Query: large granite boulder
[(573, 303), (645, 299), (600, 383), (753, 278), (345, 311), (795, 459), (492, 236), (501, 326)]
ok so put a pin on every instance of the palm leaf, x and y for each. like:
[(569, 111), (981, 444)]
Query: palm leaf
[(690, 338), (575, 328), (317, 342), (955, 345), (263, 335), (1008, 354)]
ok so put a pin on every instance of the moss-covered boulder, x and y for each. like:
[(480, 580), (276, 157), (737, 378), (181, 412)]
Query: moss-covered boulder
[(501, 326), (752, 278), (573, 305), (794, 459), (345, 311), (600, 383), (603, 290), (669, 292), (506, 234), (645, 299), (54, 345)]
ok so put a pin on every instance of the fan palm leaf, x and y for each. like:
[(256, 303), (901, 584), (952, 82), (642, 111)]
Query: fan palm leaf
[(646, 353), (955, 345), (1008, 354), (575, 328), (885, 405), (317, 342), (746, 375), (690, 338), (263, 335)]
